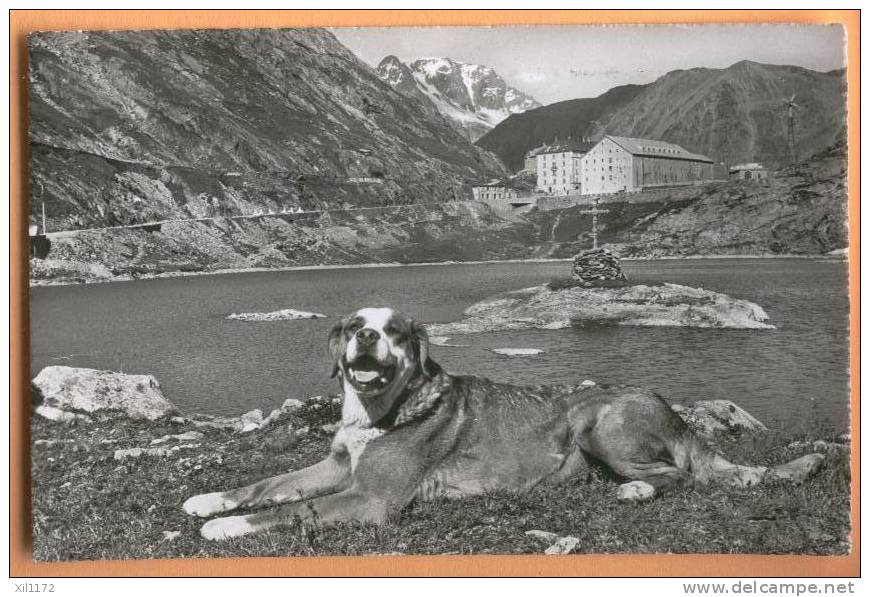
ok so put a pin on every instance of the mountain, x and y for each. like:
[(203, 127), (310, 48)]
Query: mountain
[(734, 114), (134, 126), (576, 118), (474, 97)]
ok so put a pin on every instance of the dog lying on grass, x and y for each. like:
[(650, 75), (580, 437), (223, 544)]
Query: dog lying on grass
[(410, 430)]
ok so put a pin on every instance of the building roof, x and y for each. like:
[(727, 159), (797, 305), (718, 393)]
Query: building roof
[(566, 146), (748, 166), (657, 149)]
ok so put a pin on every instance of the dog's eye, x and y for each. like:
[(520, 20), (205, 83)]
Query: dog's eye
[(392, 330)]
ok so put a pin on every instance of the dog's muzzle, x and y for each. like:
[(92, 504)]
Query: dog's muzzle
[(368, 375)]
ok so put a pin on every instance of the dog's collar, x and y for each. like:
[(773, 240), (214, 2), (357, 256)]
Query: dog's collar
[(422, 395)]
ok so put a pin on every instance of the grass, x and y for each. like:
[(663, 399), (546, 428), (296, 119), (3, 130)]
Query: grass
[(86, 505)]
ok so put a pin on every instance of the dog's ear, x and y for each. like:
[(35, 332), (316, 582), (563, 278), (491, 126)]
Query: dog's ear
[(337, 345), (420, 342)]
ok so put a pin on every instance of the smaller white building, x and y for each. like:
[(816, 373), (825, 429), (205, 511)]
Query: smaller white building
[(493, 191), (750, 171)]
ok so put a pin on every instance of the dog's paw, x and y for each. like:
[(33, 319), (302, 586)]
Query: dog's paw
[(208, 504), (797, 471), (226, 528), (635, 491)]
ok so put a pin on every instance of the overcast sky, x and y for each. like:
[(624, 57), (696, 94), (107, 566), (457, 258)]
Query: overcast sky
[(554, 63)]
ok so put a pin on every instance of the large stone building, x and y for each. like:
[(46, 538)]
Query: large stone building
[(618, 164), (558, 168)]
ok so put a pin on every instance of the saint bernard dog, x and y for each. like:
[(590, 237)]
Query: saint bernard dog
[(410, 430)]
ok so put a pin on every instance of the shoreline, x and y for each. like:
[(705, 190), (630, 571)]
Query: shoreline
[(371, 265)]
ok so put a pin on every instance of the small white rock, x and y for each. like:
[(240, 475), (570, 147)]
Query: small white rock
[(588, 383), (635, 491), (562, 546), (248, 427), (542, 535), (291, 404), (170, 535), (331, 427), (252, 416)]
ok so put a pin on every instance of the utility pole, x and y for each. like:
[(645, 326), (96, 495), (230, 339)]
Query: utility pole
[(594, 211)]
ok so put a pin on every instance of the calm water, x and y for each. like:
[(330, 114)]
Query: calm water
[(175, 329)]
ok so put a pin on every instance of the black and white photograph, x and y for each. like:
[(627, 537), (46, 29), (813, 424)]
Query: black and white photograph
[(576, 289)]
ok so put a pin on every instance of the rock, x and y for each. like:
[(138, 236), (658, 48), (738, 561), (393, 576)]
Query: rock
[(301, 431), (596, 266), (61, 416), (331, 427), (539, 307), (252, 416), (444, 341), (635, 491), (273, 416), (517, 352), (563, 545), (706, 417), (282, 315), (179, 420), (291, 404), (248, 427), (170, 535), (121, 454), (91, 390), (186, 436), (678, 408), (52, 442), (543, 535), (588, 383)]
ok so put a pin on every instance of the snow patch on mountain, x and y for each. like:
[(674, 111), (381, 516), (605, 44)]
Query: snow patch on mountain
[(474, 97)]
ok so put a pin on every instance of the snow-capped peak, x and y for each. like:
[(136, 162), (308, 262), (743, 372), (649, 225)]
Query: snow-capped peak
[(473, 96)]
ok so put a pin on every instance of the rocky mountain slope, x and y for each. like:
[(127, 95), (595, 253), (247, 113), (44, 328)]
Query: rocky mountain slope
[(414, 233), (131, 126), (475, 98), (801, 211), (735, 114)]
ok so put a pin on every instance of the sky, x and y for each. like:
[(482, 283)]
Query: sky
[(555, 63)]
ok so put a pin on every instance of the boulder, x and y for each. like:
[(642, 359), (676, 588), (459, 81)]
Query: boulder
[(540, 307), (91, 390), (706, 417)]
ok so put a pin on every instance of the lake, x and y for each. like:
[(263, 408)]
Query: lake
[(175, 329)]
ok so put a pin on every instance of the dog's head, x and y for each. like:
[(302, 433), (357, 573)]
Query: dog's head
[(377, 350)]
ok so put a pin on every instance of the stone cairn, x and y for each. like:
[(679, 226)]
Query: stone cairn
[(596, 267)]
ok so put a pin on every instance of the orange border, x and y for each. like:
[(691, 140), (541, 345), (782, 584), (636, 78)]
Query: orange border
[(24, 21)]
